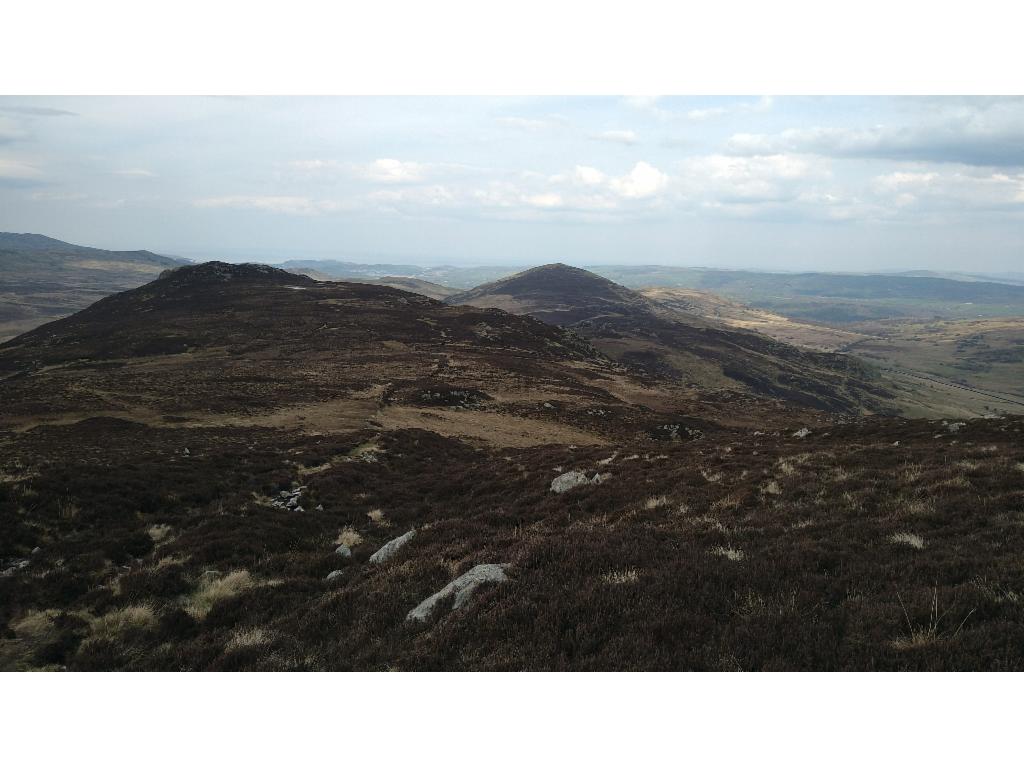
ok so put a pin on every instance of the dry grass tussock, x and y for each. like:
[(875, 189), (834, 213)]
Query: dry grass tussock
[(626, 576), (349, 536), (118, 621), (248, 638), (34, 623), (729, 553), (655, 502), (213, 589), (728, 503), (377, 517), (928, 633), (159, 532), (910, 539)]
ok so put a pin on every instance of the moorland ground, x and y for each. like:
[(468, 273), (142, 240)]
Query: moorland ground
[(149, 444)]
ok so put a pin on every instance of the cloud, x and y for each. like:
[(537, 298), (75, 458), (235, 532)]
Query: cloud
[(642, 102), (762, 104), (138, 173), (643, 181), (947, 191), (288, 204), (618, 136), (528, 124), (16, 172), (392, 171), (10, 131), (584, 191), (382, 170), (584, 174), (991, 134), (758, 179), (36, 111)]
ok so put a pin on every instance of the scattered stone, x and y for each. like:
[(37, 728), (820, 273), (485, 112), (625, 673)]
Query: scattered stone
[(186, 452), (462, 588), (954, 426), (343, 551), (14, 567), (574, 479), (319, 507), (298, 509), (391, 548), (802, 432), (333, 575)]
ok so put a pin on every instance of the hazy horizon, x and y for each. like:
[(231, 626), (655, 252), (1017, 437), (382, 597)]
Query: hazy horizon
[(770, 183)]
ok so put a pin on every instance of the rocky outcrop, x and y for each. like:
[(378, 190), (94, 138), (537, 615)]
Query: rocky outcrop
[(569, 480), (391, 548), (462, 588)]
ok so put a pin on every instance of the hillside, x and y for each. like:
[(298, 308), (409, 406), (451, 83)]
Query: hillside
[(234, 467), (667, 342), (257, 345), (836, 298), (42, 278)]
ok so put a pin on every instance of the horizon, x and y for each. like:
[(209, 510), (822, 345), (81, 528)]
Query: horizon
[(786, 184)]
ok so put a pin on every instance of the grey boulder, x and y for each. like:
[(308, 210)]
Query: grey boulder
[(462, 588), (390, 549)]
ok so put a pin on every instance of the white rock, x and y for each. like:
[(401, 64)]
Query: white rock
[(391, 548), (574, 479), (462, 588), (344, 551), (802, 432), (333, 575)]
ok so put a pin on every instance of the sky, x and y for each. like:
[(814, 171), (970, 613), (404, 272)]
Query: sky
[(824, 183)]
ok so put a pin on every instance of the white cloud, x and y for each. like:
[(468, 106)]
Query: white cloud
[(16, 170), (643, 181), (617, 136), (949, 191), (642, 102), (390, 171), (983, 134), (11, 130), (545, 200), (288, 204), (763, 178), (588, 176), (528, 124), (138, 173), (763, 104)]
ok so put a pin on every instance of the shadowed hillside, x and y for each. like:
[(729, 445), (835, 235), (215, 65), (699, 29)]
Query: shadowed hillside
[(42, 278), (666, 342)]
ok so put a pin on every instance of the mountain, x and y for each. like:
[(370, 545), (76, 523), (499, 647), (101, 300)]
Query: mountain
[(255, 344), (666, 341), (234, 467), (42, 278), (835, 298)]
